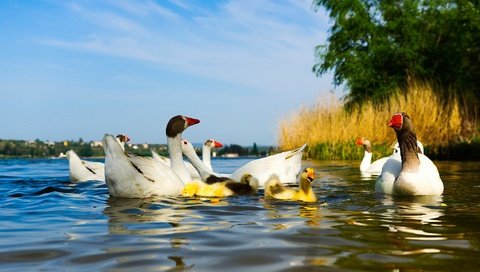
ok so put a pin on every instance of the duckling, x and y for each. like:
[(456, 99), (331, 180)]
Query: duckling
[(275, 189), (248, 185)]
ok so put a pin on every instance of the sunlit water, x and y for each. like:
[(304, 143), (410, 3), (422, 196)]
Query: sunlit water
[(49, 223)]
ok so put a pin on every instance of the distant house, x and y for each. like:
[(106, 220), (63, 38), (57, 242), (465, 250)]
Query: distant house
[(95, 143), (145, 146), (230, 155)]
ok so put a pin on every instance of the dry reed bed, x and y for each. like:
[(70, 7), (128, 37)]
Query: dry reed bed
[(327, 125)]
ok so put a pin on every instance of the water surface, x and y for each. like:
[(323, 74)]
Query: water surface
[(49, 223)]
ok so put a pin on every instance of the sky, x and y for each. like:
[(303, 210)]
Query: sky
[(80, 69)]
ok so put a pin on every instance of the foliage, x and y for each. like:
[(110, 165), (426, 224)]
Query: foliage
[(377, 48), (234, 149), (37, 148), (330, 131)]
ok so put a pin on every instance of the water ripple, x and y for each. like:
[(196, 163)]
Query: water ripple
[(49, 222)]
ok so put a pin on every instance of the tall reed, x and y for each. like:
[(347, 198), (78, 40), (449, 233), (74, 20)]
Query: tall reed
[(330, 131)]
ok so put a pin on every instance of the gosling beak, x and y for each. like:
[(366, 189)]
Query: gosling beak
[(311, 176)]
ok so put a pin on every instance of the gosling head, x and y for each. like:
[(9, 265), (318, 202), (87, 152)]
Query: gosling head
[(190, 190), (308, 174), (251, 181)]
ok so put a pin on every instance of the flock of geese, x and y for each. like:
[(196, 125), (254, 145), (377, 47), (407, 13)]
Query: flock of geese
[(407, 172)]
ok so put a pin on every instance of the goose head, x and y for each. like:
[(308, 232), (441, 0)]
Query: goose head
[(212, 143), (188, 149), (367, 145), (123, 138), (400, 122), (178, 124)]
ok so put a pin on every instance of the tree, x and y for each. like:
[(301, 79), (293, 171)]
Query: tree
[(377, 47), (254, 150)]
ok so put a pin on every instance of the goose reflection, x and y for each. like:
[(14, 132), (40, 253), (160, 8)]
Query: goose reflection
[(158, 216), (418, 216), (146, 216)]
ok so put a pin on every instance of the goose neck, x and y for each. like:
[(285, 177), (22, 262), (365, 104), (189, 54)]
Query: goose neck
[(206, 155), (407, 141), (198, 164), (176, 158)]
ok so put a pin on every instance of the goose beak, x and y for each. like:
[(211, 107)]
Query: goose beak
[(359, 141), (396, 121), (218, 144), (191, 121)]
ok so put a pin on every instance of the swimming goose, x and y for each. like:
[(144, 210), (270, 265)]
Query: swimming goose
[(82, 170), (275, 189), (409, 172), (366, 166), (131, 176), (285, 165)]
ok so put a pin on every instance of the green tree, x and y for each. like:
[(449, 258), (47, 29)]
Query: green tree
[(254, 150), (377, 47)]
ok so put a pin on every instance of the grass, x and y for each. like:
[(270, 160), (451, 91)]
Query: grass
[(330, 131)]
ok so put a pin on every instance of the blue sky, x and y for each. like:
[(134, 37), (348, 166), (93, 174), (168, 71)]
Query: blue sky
[(79, 69)]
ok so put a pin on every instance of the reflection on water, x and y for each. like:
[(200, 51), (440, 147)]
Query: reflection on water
[(412, 214), (48, 222)]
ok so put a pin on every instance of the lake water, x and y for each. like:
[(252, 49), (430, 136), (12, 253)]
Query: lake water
[(49, 223)]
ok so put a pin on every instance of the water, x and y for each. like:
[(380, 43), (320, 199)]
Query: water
[(48, 223)]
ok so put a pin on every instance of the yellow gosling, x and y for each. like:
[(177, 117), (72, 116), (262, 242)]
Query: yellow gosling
[(275, 189), (247, 185)]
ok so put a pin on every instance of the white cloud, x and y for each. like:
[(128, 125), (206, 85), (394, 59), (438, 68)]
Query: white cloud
[(267, 45)]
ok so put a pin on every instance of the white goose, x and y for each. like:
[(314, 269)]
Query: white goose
[(285, 166), (131, 176), (82, 170), (408, 173), (366, 165)]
